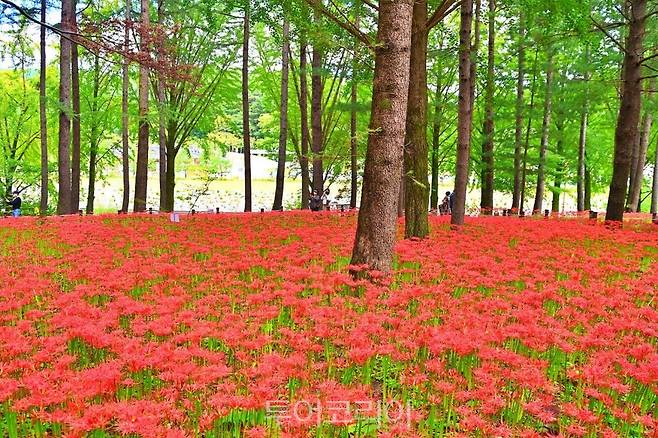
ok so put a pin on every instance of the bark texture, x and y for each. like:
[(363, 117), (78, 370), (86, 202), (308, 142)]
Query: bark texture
[(487, 176), (464, 113), (543, 147), (626, 131), (64, 140), (283, 121), (519, 114), (75, 131), (246, 132), (125, 146), (305, 136), (317, 137), (141, 172), (377, 225), (43, 121)]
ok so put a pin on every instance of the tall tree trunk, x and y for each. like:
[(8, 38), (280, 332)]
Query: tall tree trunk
[(162, 124), (588, 186), (141, 174), (170, 171), (629, 111), (487, 177), (353, 129), (63, 149), (416, 185), (246, 132), (582, 140), (464, 112), (436, 137), (559, 149), (125, 146), (93, 137), (475, 49), (377, 225), (283, 121), (303, 111), (75, 143), (546, 123), (316, 120), (401, 192), (526, 146), (638, 177), (654, 186), (43, 122), (519, 112)]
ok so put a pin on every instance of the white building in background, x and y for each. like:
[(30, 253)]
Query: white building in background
[(261, 166)]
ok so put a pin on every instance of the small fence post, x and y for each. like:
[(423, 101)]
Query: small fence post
[(593, 215), (217, 210), (150, 210), (262, 210)]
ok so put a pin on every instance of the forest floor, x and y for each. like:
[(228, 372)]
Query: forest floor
[(249, 325)]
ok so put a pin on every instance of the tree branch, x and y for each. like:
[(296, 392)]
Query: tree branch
[(344, 24), (444, 9)]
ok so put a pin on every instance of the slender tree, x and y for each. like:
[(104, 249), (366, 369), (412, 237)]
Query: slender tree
[(654, 186), (548, 108), (559, 150), (125, 146), (63, 149), (626, 131), (487, 176), (582, 139), (94, 136), (637, 177), (305, 135), (519, 113), (465, 112), (162, 125), (376, 227), (283, 120), (141, 174), (43, 121), (246, 133), (353, 125), (317, 133), (75, 138)]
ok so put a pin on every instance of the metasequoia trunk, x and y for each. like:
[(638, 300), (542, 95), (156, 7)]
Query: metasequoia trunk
[(162, 123), (464, 113), (75, 137), (141, 173), (377, 225), (526, 145), (93, 137), (416, 184), (283, 121), (436, 136), (582, 142), (353, 130), (541, 178), (588, 186), (63, 149), (125, 147), (487, 176), (246, 132), (560, 169), (638, 177), (317, 138), (303, 111), (519, 112), (43, 122), (654, 193), (629, 111)]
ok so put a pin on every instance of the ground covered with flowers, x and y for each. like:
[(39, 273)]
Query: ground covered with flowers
[(249, 325)]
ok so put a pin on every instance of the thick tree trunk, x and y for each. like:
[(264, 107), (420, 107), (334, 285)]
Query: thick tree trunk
[(377, 225), (464, 112), (162, 124), (75, 140), (629, 111), (141, 174), (416, 185), (283, 121), (246, 132), (546, 123), (487, 176), (519, 113), (93, 137), (436, 137), (303, 111), (559, 149), (63, 149), (637, 178), (43, 122), (654, 193), (316, 120), (125, 146)]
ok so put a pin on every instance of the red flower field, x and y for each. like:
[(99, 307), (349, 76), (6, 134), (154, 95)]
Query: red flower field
[(249, 325)]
